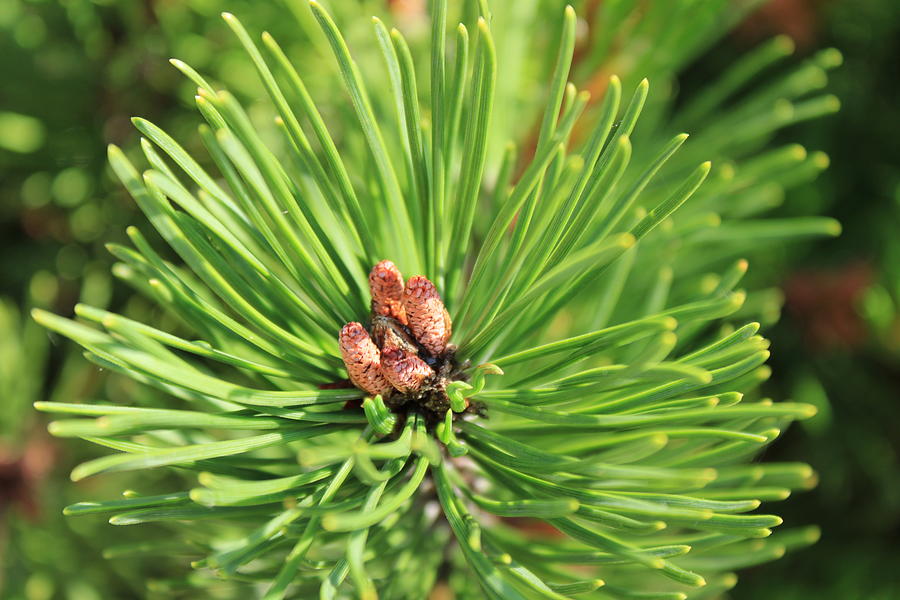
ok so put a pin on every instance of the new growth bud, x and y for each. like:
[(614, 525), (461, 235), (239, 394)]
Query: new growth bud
[(362, 359), (386, 287), (409, 333), (427, 318), (405, 371)]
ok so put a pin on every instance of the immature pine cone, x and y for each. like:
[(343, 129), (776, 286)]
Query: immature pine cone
[(427, 317), (406, 371), (363, 359), (386, 287)]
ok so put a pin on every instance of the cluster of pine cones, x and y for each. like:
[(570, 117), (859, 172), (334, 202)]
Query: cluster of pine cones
[(410, 334)]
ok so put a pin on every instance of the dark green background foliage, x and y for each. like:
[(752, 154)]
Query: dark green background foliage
[(841, 351), (74, 71), (855, 371)]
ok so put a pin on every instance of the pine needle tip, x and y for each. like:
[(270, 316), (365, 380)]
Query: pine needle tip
[(798, 152), (329, 522), (41, 316), (813, 534), (830, 58), (785, 44), (659, 439), (821, 160), (196, 495), (626, 240)]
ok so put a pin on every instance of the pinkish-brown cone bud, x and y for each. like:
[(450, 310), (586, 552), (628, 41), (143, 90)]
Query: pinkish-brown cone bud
[(406, 371), (386, 287), (362, 359), (427, 318)]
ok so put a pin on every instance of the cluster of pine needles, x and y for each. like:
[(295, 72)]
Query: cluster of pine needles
[(590, 430)]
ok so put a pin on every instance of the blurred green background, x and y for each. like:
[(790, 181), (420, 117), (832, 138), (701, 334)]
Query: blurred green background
[(74, 71), (838, 342)]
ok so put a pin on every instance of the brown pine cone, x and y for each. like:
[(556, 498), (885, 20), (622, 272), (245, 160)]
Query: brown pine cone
[(362, 359), (427, 318), (406, 371), (386, 287)]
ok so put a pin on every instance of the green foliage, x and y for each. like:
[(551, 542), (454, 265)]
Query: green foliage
[(838, 339), (595, 281), (45, 554)]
